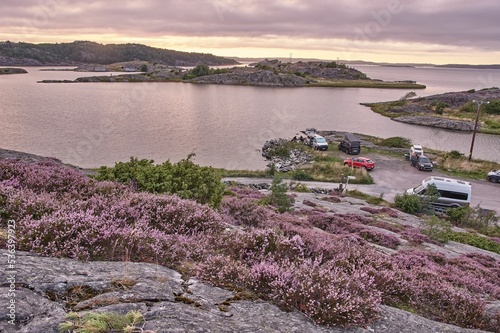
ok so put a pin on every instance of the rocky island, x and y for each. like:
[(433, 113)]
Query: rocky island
[(12, 71), (272, 73), (451, 110)]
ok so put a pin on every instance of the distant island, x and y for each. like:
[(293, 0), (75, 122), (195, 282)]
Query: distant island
[(272, 73), (12, 71), (86, 52), (451, 110)]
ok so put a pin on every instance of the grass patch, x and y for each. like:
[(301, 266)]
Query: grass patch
[(373, 200), (459, 166), (332, 172), (102, 322), (245, 173), (475, 240)]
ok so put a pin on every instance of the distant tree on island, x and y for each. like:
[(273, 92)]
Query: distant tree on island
[(86, 52)]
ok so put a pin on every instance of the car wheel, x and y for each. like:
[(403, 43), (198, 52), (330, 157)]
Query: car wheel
[(494, 180), (346, 164)]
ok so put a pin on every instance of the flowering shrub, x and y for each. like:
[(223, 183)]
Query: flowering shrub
[(380, 238), (413, 235), (243, 211), (315, 262)]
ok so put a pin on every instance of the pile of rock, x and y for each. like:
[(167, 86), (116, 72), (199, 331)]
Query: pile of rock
[(295, 158)]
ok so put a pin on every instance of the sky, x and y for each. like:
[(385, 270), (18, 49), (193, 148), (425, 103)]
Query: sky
[(394, 31)]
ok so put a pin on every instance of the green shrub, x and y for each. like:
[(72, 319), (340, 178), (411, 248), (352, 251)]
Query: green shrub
[(396, 141), (278, 197), (300, 174), (185, 179), (468, 107), (474, 218), (436, 229), (475, 240), (440, 107), (492, 108), (408, 203), (455, 154)]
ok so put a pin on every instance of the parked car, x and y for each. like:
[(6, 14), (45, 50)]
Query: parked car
[(422, 163), (360, 162), (494, 176), (319, 142), (350, 144)]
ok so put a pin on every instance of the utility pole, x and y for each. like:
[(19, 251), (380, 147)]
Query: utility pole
[(479, 103)]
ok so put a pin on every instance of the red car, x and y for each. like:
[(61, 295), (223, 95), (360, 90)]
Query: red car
[(360, 162)]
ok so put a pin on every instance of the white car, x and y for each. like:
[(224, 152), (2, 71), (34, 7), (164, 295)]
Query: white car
[(494, 176)]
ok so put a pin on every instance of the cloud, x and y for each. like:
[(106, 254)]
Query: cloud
[(448, 23)]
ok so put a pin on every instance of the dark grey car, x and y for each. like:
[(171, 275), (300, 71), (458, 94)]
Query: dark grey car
[(424, 163)]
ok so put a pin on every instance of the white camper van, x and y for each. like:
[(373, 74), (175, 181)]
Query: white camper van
[(453, 192)]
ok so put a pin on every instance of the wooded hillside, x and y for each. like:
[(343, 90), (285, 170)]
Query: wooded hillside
[(81, 52)]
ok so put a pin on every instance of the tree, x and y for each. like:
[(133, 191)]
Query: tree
[(278, 197), (408, 95)]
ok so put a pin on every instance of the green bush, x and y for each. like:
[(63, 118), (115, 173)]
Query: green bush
[(436, 229), (492, 108), (468, 107), (185, 179), (454, 154), (440, 107), (474, 218), (408, 203), (301, 175), (475, 240), (396, 141)]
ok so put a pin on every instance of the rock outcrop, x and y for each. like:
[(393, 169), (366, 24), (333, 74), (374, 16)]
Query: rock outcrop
[(283, 158), (46, 289), (460, 125), (255, 77)]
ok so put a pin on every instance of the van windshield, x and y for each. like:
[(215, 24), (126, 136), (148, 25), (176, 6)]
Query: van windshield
[(320, 140), (419, 189)]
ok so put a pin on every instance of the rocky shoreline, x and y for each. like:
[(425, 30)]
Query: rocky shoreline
[(459, 125), (446, 110)]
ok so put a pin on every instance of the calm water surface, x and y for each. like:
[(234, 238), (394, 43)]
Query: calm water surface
[(93, 124)]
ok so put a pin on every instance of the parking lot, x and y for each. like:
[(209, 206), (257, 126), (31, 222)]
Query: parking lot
[(394, 175)]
